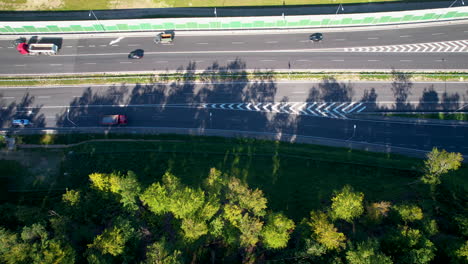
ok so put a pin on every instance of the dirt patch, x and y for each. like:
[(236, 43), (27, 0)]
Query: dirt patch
[(128, 4)]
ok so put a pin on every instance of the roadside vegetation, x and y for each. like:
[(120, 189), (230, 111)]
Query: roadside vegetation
[(228, 76), (67, 5), (183, 199), (437, 116)]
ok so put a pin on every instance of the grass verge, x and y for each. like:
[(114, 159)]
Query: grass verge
[(296, 178), (438, 116), (240, 76)]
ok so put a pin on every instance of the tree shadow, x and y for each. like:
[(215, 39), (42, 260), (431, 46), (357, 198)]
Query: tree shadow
[(401, 88), (24, 109), (429, 100), (450, 102), (370, 99)]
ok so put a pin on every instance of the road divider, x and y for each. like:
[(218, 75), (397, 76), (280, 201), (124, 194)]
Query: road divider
[(213, 76), (234, 23)]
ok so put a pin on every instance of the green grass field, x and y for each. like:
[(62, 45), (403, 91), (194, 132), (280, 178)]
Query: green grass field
[(296, 178), (438, 116), (64, 5)]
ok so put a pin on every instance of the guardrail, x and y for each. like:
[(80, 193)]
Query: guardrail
[(234, 23)]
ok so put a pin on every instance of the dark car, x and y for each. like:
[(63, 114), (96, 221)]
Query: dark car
[(316, 37), (136, 54)]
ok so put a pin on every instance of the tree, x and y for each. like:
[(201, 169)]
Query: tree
[(439, 163), (347, 205), (325, 232), (367, 253), (247, 199), (160, 253), (462, 252), (112, 240), (71, 197), (276, 232), (377, 211), (409, 212)]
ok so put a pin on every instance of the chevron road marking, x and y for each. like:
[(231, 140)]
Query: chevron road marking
[(445, 46), (336, 110)]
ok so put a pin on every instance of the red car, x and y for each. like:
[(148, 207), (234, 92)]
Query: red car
[(111, 120), (22, 48)]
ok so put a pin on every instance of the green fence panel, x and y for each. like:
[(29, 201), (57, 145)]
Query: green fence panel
[(304, 22), (146, 26), (416, 18), (450, 14), (66, 29), (54, 29), (30, 28), (169, 26), (334, 22), (235, 24), (192, 25), (280, 23), (356, 21), (247, 25), (384, 19), (89, 28), (77, 28), (428, 16), (121, 26), (157, 27), (43, 29), (3, 30), (215, 24), (258, 23), (346, 21), (315, 23), (325, 21), (134, 27), (203, 26), (395, 19), (20, 30), (368, 20), (270, 24), (98, 28), (180, 26), (407, 18), (112, 28)]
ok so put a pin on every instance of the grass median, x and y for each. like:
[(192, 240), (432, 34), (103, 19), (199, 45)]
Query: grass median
[(436, 116), (69, 5), (219, 76), (296, 178)]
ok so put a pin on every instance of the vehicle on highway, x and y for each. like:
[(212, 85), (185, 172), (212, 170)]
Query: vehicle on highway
[(316, 37), (21, 123), (35, 48), (136, 54), (114, 120), (165, 37)]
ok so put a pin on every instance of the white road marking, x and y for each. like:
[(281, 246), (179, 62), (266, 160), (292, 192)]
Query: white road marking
[(115, 40), (55, 64), (50, 117), (161, 61), (435, 34), (92, 46), (337, 60), (43, 97), (405, 36), (373, 38), (340, 39), (271, 42), (80, 46), (10, 47), (405, 60), (199, 61), (302, 60), (125, 62), (237, 42), (20, 65), (90, 63), (102, 45), (114, 45), (69, 46), (299, 92), (133, 45), (202, 43), (267, 60), (7, 97), (372, 60)]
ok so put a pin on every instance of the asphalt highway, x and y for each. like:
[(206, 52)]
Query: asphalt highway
[(331, 110), (442, 47)]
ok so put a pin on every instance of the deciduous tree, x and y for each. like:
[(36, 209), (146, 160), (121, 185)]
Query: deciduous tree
[(325, 232), (277, 230), (439, 163), (347, 205)]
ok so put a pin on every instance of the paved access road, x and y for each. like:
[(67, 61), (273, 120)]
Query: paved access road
[(327, 109), (432, 47)]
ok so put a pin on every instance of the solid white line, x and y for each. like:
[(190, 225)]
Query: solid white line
[(373, 38), (133, 45), (372, 60), (10, 47), (405, 36), (267, 60), (7, 97), (435, 34), (202, 43), (337, 60), (302, 60), (237, 42), (43, 97), (405, 60), (80, 46), (271, 42), (125, 62), (55, 64), (90, 63), (20, 65)]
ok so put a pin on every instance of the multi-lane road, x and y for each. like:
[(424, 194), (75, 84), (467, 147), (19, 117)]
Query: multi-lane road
[(432, 47), (322, 110), (328, 110)]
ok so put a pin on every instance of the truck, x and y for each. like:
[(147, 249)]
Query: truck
[(113, 120), (37, 48), (165, 37)]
